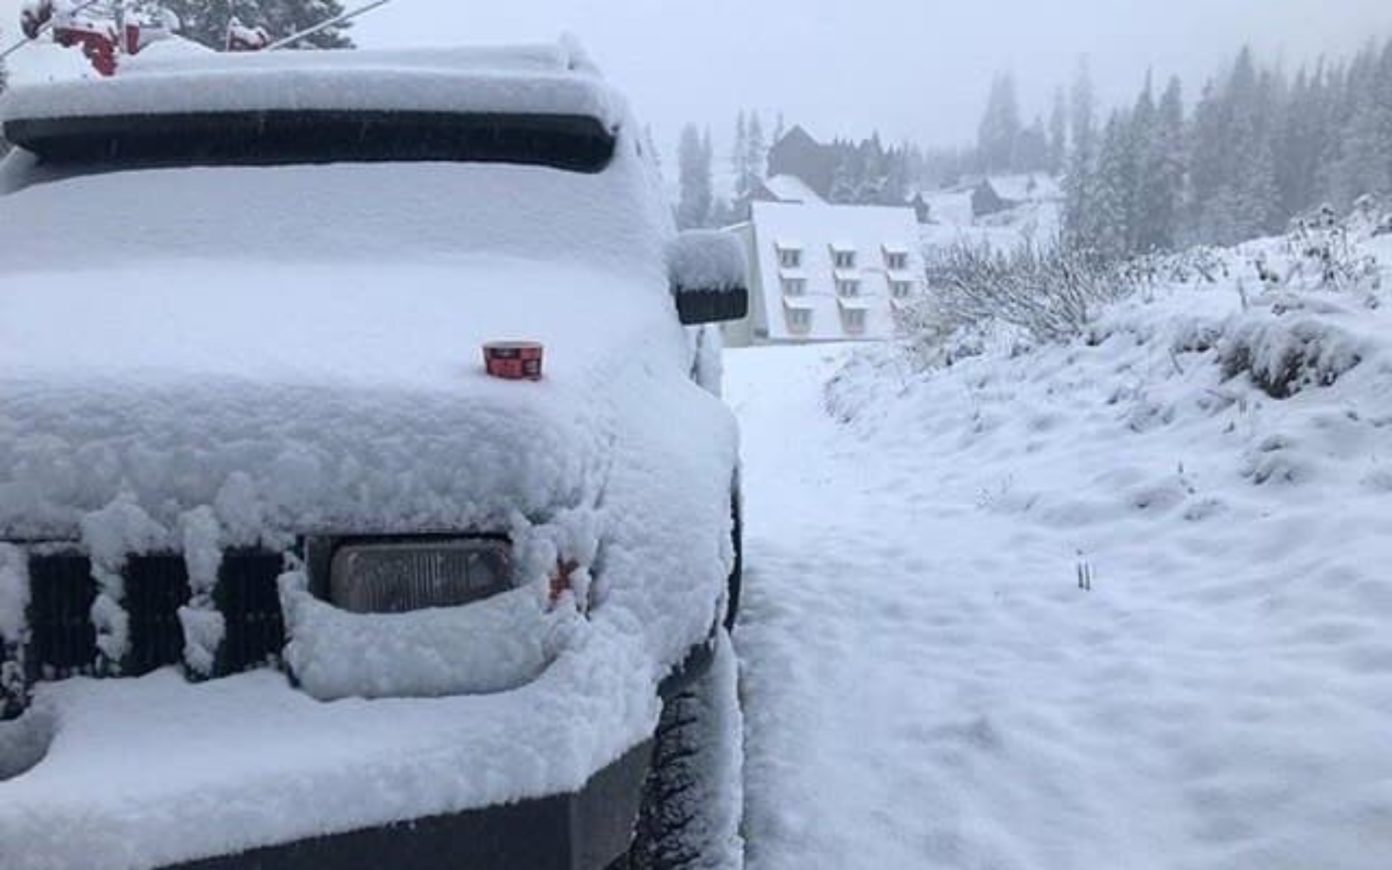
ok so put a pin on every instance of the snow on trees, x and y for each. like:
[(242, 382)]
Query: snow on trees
[(211, 22)]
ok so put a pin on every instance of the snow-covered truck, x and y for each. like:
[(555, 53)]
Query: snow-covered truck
[(287, 578)]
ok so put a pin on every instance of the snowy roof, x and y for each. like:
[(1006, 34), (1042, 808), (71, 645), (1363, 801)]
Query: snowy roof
[(554, 79), (1027, 187), (870, 231), (790, 188)]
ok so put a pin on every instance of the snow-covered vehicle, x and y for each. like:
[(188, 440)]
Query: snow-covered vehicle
[(286, 578)]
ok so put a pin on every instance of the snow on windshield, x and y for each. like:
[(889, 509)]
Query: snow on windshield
[(342, 211)]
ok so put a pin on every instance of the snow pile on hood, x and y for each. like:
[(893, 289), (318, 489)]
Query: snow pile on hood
[(226, 345)]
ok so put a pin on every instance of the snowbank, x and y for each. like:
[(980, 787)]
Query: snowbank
[(917, 637)]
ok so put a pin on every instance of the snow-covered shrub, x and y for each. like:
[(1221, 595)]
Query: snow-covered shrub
[(1324, 255), (1281, 355), (979, 296), (1191, 265)]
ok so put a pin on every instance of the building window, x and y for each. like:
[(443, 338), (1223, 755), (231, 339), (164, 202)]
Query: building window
[(896, 261), (854, 319), (843, 258), (794, 286), (799, 319), (900, 289), (847, 287), (789, 258)]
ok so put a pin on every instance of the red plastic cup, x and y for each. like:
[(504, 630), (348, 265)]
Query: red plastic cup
[(513, 360)]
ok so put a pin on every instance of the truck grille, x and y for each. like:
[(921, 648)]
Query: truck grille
[(62, 639)]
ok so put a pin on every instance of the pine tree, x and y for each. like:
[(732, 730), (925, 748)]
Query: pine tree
[(1364, 164), (205, 21), (1058, 134), (848, 181), (1108, 218), (1000, 126), (1081, 162), (757, 157), (694, 179), (1140, 187), (1031, 148), (1162, 193), (739, 158), (1250, 157)]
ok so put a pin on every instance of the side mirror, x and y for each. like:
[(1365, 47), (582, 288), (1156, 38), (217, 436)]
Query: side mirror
[(709, 275)]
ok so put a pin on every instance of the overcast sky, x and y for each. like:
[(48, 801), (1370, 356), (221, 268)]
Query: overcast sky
[(911, 69)]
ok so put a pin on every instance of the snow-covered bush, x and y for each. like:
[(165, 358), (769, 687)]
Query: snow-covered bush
[(1200, 263), (979, 296), (1323, 253), (1284, 356)]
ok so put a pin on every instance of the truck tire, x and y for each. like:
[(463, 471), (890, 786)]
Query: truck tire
[(737, 573), (693, 799)]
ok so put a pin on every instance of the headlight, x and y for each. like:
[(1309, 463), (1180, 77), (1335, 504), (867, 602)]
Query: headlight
[(401, 576)]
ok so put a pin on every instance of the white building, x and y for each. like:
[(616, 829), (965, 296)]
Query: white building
[(823, 272)]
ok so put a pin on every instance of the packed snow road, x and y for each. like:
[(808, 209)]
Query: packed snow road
[(925, 683)]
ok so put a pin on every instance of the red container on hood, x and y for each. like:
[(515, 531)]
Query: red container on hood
[(513, 360)]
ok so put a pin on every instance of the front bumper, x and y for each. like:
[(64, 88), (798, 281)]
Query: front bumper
[(586, 830), (154, 772)]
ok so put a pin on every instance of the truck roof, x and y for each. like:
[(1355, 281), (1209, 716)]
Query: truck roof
[(556, 80)]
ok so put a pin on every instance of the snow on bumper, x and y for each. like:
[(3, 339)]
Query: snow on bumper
[(154, 771)]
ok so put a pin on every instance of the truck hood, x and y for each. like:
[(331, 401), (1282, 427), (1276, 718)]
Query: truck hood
[(296, 397)]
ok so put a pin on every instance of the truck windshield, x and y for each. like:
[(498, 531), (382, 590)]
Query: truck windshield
[(102, 193), (272, 138)]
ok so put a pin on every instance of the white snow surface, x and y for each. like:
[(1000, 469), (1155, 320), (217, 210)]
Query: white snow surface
[(250, 354), (926, 685), (530, 79)]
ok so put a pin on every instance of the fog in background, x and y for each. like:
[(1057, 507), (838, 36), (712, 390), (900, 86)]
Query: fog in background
[(914, 70)]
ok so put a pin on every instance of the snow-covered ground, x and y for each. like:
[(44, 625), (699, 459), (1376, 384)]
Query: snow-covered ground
[(925, 682)]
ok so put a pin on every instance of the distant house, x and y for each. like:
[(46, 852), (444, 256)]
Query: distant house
[(824, 272), (785, 188), (1001, 193), (799, 155), (986, 200)]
